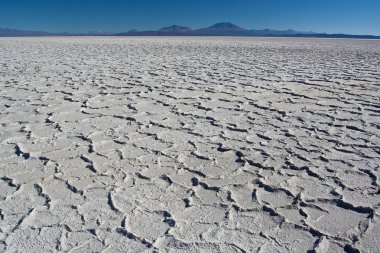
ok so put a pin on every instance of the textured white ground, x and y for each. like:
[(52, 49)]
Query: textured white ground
[(189, 145)]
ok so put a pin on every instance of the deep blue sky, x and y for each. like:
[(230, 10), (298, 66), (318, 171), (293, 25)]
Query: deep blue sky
[(332, 16)]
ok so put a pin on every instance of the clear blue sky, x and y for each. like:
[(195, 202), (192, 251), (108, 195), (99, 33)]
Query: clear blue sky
[(332, 16)]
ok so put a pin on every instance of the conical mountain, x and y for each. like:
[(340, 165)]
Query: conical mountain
[(220, 29), (226, 26)]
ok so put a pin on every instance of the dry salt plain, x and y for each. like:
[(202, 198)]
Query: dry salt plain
[(189, 145)]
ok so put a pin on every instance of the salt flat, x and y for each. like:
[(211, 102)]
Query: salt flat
[(189, 145)]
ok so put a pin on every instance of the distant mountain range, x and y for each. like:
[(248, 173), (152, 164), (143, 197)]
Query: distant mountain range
[(219, 29)]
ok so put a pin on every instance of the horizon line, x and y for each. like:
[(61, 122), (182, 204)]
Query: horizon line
[(192, 29)]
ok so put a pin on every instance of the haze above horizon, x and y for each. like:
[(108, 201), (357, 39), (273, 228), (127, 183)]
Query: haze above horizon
[(330, 16)]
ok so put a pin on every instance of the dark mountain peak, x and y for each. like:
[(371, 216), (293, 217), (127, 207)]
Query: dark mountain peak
[(225, 26), (174, 28), (222, 29)]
